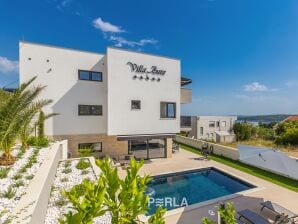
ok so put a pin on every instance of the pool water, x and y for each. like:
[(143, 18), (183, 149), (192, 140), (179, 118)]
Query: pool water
[(186, 188)]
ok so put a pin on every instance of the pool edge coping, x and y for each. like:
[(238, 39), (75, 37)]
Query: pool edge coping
[(257, 187)]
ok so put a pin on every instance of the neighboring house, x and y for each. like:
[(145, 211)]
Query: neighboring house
[(118, 103), (212, 128)]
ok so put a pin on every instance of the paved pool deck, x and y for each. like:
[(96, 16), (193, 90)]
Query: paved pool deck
[(184, 160)]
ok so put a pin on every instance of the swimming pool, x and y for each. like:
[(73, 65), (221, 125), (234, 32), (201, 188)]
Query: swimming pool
[(190, 187)]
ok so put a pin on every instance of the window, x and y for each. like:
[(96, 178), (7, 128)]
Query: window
[(201, 131), (211, 124), (95, 147), (135, 104), (90, 75), (90, 110), (167, 110), (217, 123), (224, 123), (211, 135)]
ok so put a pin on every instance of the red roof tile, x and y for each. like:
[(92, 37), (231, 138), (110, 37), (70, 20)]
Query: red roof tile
[(292, 118)]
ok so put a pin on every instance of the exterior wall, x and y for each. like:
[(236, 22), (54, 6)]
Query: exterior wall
[(122, 88), (110, 145), (220, 150), (185, 95), (57, 69), (203, 121), (225, 138), (60, 76)]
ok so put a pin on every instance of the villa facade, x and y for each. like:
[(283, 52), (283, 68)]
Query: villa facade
[(118, 103), (211, 128)]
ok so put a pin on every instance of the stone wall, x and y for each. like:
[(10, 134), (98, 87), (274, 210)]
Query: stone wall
[(221, 150), (110, 144)]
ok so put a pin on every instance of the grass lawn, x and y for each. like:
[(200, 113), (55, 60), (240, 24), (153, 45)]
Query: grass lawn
[(274, 178)]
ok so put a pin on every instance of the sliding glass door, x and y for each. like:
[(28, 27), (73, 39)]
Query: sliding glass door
[(147, 149)]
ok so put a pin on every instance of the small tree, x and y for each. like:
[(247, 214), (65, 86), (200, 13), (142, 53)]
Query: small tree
[(40, 122), (14, 113), (124, 199), (243, 131)]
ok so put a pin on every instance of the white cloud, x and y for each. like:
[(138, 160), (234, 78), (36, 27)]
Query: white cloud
[(111, 33), (255, 87), (106, 26), (121, 41), (8, 66)]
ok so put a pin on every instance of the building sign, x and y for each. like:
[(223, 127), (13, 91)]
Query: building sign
[(144, 70)]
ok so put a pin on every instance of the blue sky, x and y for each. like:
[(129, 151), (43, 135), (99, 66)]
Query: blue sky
[(242, 55)]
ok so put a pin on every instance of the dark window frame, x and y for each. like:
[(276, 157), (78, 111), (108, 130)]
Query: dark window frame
[(90, 143), (167, 110), (89, 110), (90, 75), (212, 124), (135, 101)]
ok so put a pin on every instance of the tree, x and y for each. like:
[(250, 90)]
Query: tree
[(125, 199), (287, 133), (40, 123), (243, 131), (265, 133), (14, 113)]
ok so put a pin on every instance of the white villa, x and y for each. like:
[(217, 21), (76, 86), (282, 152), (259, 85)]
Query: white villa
[(214, 128), (118, 103)]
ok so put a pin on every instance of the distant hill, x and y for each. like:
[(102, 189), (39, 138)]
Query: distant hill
[(264, 118)]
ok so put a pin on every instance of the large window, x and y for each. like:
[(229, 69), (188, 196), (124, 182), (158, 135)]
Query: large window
[(95, 110), (224, 123), (167, 110), (95, 147), (90, 75), (135, 104)]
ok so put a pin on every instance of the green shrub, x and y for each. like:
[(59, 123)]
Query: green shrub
[(3, 172), (80, 189), (67, 170), (289, 137), (29, 177), (85, 152), (23, 169), (243, 131), (39, 142), (65, 179), (84, 172), (29, 164), (67, 164), (61, 202), (9, 193), (83, 164), (17, 176), (19, 183), (20, 153)]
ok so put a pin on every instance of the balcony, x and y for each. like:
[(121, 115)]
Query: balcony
[(185, 95)]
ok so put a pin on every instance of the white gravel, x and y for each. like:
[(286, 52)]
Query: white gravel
[(7, 205), (76, 177)]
